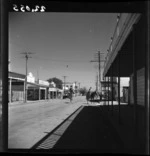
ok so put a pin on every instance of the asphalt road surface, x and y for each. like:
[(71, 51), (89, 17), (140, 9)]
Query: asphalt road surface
[(30, 122)]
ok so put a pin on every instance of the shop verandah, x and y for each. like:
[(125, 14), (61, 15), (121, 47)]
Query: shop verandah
[(128, 57), (35, 90)]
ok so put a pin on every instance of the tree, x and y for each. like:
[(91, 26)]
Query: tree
[(83, 91), (57, 81)]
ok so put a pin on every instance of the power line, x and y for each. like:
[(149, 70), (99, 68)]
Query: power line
[(51, 59), (58, 60)]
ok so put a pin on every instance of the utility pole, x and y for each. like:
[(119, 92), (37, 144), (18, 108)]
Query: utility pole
[(99, 71), (79, 88), (64, 82), (99, 62), (96, 82), (37, 75), (26, 57), (75, 88), (9, 65)]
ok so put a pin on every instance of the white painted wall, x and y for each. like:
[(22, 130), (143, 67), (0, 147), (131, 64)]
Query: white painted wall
[(123, 82), (140, 87)]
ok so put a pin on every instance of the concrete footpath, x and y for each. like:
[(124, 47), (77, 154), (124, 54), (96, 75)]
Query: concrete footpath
[(125, 127)]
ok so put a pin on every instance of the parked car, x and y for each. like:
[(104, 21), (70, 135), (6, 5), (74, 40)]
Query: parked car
[(66, 95)]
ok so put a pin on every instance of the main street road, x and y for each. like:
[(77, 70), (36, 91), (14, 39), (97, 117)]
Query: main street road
[(30, 122)]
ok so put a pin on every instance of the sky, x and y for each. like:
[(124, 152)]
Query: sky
[(63, 44)]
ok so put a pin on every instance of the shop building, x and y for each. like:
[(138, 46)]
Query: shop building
[(54, 92), (128, 57), (36, 90)]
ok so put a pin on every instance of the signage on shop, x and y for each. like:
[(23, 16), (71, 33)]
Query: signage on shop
[(46, 83), (30, 78), (52, 89)]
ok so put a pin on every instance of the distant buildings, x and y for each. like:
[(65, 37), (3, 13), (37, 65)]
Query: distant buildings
[(109, 88), (67, 85), (125, 97), (54, 92), (36, 90)]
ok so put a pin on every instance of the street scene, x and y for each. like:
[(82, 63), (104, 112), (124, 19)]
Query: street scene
[(78, 82)]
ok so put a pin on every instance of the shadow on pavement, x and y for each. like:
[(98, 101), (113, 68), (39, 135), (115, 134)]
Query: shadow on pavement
[(95, 100), (86, 130), (126, 127)]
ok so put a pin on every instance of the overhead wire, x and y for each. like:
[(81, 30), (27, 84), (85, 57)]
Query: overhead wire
[(51, 59)]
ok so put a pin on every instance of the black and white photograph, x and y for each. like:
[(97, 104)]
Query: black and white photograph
[(78, 77)]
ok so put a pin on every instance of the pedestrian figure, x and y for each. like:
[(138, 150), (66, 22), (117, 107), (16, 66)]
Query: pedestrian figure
[(88, 94), (93, 95), (70, 93), (100, 96)]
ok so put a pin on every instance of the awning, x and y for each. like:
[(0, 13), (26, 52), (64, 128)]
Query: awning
[(121, 59), (52, 89)]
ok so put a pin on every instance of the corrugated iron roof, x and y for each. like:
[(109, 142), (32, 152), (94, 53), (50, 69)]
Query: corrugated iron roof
[(16, 75)]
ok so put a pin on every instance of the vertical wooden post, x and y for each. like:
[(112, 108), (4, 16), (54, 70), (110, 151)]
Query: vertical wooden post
[(39, 93), (112, 87), (105, 91), (135, 88), (56, 94), (45, 93), (33, 93), (119, 86), (4, 67), (99, 71), (108, 93), (24, 90), (129, 92), (26, 79), (147, 76), (50, 94), (10, 90)]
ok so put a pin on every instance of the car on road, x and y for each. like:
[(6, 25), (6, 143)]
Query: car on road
[(66, 95)]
